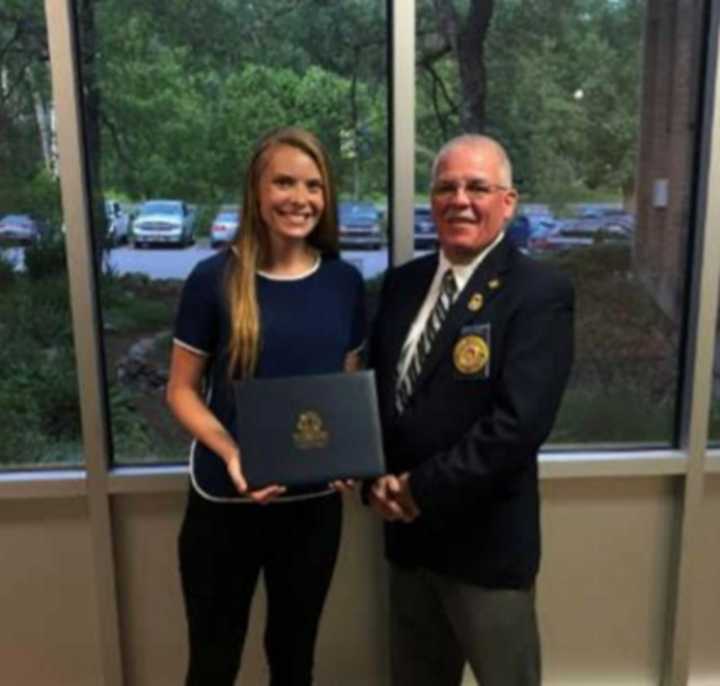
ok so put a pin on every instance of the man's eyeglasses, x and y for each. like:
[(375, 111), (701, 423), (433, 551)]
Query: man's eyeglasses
[(476, 190)]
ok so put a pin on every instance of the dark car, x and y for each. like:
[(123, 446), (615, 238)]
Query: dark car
[(571, 234), (424, 229), (525, 228), (359, 225), (611, 219)]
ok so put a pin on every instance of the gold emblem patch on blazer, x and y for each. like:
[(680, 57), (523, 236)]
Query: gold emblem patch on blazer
[(471, 354), (476, 302), (309, 431)]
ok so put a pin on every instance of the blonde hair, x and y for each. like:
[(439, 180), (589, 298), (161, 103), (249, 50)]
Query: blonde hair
[(251, 250)]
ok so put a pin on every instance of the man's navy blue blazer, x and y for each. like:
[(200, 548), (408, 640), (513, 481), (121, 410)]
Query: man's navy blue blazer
[(470, 438)]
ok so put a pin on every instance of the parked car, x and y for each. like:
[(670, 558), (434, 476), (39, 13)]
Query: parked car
[(576, 234), (359, 225), (609, 218), (21, 228), (524, 228), (224, 226), (424, 229), (164, 221), (537, 241), (118, 223)]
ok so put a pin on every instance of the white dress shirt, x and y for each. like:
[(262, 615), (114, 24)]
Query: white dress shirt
[(461, 273)]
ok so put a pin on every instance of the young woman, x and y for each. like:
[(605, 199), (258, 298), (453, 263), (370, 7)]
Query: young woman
[(278, 302)]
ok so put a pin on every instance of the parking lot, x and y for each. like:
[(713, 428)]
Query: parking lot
[(176, 263)]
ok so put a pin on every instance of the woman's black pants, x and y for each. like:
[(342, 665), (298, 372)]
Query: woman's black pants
[(222, 548)]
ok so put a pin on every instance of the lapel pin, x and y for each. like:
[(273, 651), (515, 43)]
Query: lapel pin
[(476, 302), (494, 283)]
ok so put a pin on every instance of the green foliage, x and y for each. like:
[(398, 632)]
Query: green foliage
[(563, 93), (38, 387), (204, 215), (130, 303), (38, 195), (45, 258), (596, 415), (129, 434), (7, 272), (625, 376)]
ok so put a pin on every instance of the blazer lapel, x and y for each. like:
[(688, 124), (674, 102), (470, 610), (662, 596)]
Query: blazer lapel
[(485, 283), (409, 302)]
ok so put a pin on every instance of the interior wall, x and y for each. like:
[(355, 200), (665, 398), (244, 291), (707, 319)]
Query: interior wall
[(603, 588), (705, 635), (602, 592), (49, 629), (353, 634), (601, 595)]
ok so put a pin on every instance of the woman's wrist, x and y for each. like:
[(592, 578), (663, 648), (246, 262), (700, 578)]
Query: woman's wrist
[(230, 455)]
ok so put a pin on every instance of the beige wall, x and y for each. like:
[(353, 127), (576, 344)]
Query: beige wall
[(352, 641), (706, 599), (48, 627), (602, 595), (604, 581)]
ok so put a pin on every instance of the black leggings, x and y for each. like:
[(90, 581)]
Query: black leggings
[(222, 549)]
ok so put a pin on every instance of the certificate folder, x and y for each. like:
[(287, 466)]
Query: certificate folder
[(307, 430)]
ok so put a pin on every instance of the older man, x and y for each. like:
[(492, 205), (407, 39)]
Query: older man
[(472, 348)]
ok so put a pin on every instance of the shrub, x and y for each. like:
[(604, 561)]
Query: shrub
[(45, 258), (204, 215), (7, 271)]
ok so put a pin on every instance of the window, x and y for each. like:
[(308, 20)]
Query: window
[(173, 105), (596, 103), (38, 386)]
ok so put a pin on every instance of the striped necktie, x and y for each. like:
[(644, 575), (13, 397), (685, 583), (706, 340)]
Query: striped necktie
[(434, 323)]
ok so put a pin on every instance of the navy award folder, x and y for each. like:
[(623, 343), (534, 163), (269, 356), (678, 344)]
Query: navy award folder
[(306, 430)]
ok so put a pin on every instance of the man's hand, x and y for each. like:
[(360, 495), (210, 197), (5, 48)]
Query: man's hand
[(261, 495), (391, 498), (343, 485)]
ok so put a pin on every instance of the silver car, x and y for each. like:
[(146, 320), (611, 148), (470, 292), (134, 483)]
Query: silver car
[(359, 225), (164, 222), (21, 228), (224, 226)]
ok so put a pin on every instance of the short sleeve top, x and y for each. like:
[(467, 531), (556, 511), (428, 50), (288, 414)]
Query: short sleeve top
[(308, 324)]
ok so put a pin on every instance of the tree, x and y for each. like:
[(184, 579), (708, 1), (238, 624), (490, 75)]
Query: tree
[(560, 91)]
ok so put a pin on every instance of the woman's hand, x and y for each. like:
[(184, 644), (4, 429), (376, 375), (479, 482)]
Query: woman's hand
[(261, 495)]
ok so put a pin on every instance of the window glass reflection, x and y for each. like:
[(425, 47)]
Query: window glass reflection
[(39, 403), (174, 104), (596, 104)]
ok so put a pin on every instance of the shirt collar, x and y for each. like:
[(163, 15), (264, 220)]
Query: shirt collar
[(463, 272)]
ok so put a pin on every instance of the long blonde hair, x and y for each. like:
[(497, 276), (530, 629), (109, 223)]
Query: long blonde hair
[(251, 250)]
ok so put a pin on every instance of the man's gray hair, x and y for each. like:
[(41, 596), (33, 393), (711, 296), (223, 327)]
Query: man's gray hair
[(481, 141)]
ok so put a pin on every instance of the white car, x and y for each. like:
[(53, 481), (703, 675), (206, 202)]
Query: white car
[(224, 226), (21, 228), (164, 222)]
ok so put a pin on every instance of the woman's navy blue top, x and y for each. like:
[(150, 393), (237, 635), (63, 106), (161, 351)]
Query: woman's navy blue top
[(308, 325)]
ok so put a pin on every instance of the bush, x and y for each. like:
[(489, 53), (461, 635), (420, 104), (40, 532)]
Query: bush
[(204, 215), (7, 271), (613, 415), (46, 258), (40, 403)]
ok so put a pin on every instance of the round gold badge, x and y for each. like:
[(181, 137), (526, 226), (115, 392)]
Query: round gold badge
[(476, 302), (471, 354)]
